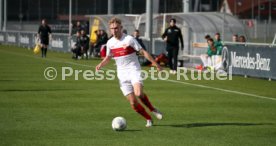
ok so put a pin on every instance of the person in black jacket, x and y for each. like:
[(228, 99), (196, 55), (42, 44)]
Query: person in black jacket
[(172, 35), (84, 43), (77, 48), (102, 40), (77, 27), (136, 35), (44, 33)]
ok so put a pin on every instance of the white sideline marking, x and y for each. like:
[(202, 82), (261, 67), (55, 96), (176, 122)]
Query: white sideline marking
[(173, 81), (220, 89)]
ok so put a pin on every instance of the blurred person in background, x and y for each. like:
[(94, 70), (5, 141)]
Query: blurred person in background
[(76, 50), (216, 60), (136, 35), (203, 56), (84, 43), (92, 51), (212, 50), (235, 38), (218, 43), (142, 60), (45, 34), (86, 26), (207, 37), (172, 35), (102, 39), (77, 28), (124, 31), (242, 39), (207, 58)]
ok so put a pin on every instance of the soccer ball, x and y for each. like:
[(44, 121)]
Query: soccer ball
[(119, 124)]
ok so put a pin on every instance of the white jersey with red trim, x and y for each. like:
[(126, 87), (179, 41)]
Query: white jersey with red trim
[(124, 52)]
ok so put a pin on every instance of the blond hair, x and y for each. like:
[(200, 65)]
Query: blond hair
[(115, 20)]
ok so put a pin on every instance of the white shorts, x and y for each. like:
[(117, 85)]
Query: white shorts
[(127, 79)]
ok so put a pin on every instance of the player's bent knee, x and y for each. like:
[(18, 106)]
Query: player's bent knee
[(138, 89), (139, 94)]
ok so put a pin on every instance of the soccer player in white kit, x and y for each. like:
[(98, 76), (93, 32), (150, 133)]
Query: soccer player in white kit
[(123, 48)]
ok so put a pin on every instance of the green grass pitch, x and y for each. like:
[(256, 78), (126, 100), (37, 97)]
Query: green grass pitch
[(36, 111)]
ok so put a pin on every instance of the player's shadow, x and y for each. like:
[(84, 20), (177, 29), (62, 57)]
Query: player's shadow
[(195, 125), (132, 130)]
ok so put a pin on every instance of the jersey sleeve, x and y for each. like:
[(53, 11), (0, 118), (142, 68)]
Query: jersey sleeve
[(136, 46), (108, 51)]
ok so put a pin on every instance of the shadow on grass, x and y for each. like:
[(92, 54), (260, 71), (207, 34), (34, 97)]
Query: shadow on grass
[(130, 130), (33, 90), (195, 125)]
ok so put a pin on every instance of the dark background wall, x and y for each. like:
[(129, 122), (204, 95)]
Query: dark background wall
[(30, 10)]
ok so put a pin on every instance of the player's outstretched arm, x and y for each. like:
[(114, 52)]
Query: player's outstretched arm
[(149, 57), (103, 63)]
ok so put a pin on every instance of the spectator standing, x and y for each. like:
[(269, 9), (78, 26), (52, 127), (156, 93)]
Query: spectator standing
[(235, 38), (84, 43), (136, 35), (242, 39), (172, 35), (87, 27), (44, 33), (102, 38), (77, 47), (218, 44), (78, 27), (95, 36)]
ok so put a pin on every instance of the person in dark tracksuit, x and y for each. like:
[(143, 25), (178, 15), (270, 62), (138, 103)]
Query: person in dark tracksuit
[(77, 48), (102, 40), (172, 35), (136, 35), (44, 33), (84, 43)]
